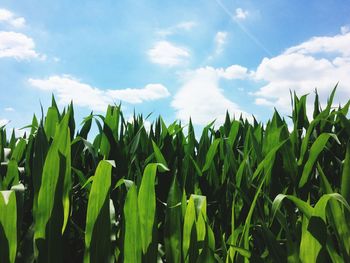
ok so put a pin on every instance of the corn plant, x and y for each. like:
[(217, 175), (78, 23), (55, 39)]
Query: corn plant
[(244, 191)]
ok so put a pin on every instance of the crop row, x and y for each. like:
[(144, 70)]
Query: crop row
[(242, 192)]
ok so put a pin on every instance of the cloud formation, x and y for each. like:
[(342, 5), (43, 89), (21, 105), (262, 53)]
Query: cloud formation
[(148, 93), (9, 18), (168, 54), (201, 98), (316, 63), (18, 46), (67, 88), (233, 72)]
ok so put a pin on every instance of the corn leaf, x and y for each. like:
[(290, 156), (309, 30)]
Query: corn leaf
[(8, 226), (97, 233)]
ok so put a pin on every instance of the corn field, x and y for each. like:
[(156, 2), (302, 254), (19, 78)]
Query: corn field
[(243, 192)]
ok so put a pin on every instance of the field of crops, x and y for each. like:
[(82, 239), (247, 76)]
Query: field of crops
[(243, 192)]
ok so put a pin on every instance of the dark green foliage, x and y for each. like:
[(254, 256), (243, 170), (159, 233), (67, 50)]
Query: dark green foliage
[(241, 192)]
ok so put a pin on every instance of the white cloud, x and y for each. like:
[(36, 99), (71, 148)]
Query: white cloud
[(317, 63), (201, 98), (11, 19), (233, 72), (17, 45), (149, 92), (168, 54), (13, 44), (241, 14), (9, 109), (67, 88), (220, 40), (338, 44)]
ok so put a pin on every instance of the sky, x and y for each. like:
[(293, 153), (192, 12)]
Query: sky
[(178, 59)]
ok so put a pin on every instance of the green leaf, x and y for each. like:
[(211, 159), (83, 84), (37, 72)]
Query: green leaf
[(86, 126), (97, 233), (147, 205), (50, 122), (196, 167), (173, 217), (111, 123), (316, 148), (233, 133), (244, 252), (267, 163), (314, 225), (337, 214), (315, 235), (8, 226), (12, 176), (304, 207), (40, 150), (345, 179), (159, 156), (132, 244), (246, 229), (53, 199), (18, 152), (210, 154), (189, 246)]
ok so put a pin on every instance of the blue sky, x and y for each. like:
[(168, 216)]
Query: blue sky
[(174, 58)]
